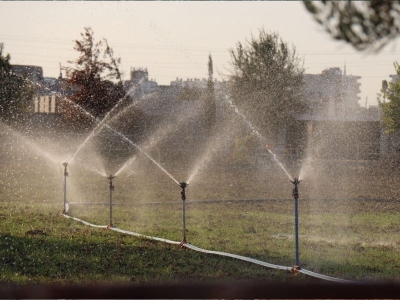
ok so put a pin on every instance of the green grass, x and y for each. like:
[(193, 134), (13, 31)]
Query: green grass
[(45, 248), (39, 246), (348, 227)]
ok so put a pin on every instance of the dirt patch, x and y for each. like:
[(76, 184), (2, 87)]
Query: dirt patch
[(36, 232)]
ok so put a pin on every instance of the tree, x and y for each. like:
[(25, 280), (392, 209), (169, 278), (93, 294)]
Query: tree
[(385, 86), (4, 60), (391, 108), (189, 93), (15, 91), (363, 24), (210, 106), (266, 82), (92, 78)]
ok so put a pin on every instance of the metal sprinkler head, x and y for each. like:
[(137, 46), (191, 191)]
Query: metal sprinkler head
[(183, 185), (295, 193), (110, 178), (296, 181), (65, 168)]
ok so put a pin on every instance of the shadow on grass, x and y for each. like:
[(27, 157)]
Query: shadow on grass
[(116, 259)]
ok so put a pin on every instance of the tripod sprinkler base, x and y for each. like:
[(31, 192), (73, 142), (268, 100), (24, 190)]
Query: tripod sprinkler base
[(110, 226), (183, 243)]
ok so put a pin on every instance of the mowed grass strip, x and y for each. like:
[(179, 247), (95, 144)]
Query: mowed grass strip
[(353, 236), (363, 245), (45, 248), (359, 245)]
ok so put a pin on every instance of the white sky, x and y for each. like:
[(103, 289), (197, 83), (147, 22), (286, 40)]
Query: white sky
[(173, 39)]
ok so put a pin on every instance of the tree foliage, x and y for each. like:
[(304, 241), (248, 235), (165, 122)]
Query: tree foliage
[(363, 24), (390, 104), (266, 82), (92, 78), (5, 65), (210, 106), (188, 93), (16, 91), (244, 150)]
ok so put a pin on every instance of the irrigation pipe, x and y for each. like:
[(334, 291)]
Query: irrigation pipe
[(265, 264), (84, 222), (194, 248), (145, 236), (254, 261), (325, 277)]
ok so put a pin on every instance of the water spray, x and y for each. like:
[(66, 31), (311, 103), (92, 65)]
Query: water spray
[(254, 130), (65, 188), (183, 185), (296, 183), (121, 135), (110, 178)]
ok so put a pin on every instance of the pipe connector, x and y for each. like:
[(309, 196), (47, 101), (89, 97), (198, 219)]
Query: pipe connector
[(66, 208), (295, 269)]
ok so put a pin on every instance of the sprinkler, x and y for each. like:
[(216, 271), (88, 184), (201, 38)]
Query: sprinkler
[(183, 185), (65, 188), (295, 194), (110, 178), (296, 183)]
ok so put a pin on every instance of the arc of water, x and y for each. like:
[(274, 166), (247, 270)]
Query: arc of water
[(144, 152), (129, 162), (31, 144), (120, 134), (164, 131), (105, 117), (101, 122), (280, 164), (126, 139), (214, 145), (254, 130)]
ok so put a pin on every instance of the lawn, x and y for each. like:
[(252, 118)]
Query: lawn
[(348, 221)]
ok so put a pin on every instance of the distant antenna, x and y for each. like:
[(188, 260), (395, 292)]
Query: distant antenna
[(344, 72), (366, 101), (60, 72)]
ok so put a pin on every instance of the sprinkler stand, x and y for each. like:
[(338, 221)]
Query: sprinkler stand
[(183, 185), (110, 178), (296, 182), (65, 188)]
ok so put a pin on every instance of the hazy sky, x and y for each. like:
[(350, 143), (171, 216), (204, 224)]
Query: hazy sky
[(174, 39)]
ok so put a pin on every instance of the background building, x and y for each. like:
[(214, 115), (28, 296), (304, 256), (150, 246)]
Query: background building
[(33, 73), (46, 104), (337, 126), (333, 94), (139, 83)]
